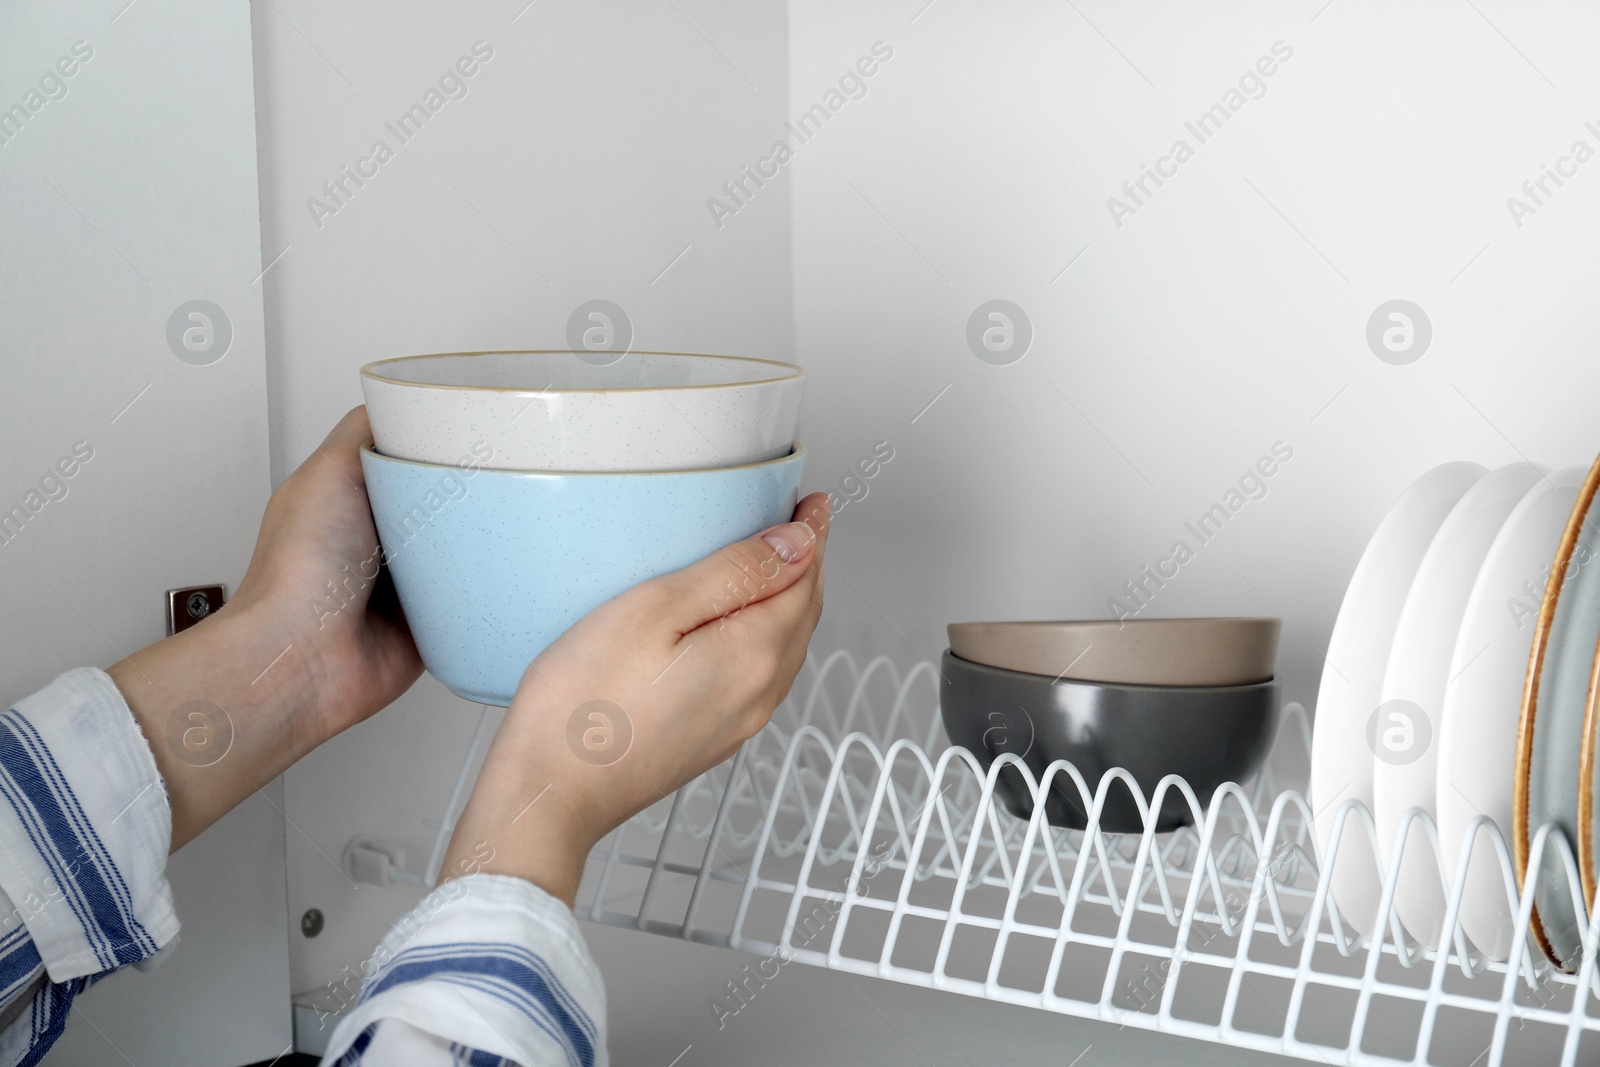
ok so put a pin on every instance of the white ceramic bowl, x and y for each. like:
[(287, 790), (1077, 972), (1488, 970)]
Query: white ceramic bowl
[(565, 411)]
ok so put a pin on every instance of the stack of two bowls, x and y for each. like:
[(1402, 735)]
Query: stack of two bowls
[(1193, 698), (514, 492)]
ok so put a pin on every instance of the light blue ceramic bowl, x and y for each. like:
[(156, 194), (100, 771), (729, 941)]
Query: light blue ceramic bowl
[(491, 566)]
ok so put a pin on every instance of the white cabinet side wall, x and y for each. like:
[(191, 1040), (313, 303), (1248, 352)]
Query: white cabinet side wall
[(130, 192)]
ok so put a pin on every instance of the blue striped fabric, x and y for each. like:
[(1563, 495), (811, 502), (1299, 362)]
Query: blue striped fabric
[(48, 1017), (508, 972), (469, 950), (56, 825), (81, 871), (36, 1030), (88, 895), (357, 1048), (19, 964), (471, 1057)]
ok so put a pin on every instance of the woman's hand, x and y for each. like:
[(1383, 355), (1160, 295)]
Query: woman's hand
[(315, 572), (312, 642), (642, 695)]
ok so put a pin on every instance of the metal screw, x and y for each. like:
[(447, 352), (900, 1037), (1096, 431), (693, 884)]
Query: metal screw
[(198, 605), (311, 923)]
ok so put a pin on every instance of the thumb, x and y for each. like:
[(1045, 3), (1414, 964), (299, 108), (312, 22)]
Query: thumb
[(744, 573)]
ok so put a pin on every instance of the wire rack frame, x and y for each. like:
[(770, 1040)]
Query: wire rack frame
[(852, 787)]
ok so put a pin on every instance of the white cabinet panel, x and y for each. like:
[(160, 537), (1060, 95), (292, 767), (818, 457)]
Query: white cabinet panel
[(127, 192)]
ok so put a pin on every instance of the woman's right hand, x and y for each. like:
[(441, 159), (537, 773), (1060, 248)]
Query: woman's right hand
[(639, 697)]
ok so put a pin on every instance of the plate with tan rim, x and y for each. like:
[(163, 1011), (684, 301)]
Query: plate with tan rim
[(1552, 729), (1589, 758)]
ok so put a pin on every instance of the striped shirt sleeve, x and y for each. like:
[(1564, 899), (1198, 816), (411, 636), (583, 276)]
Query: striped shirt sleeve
[(487, 969), (84, 832)]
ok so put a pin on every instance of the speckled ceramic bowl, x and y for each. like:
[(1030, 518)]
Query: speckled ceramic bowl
[(491, 566), (564, 411)]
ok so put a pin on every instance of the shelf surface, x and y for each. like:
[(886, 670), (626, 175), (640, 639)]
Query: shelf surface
[(849, 835)]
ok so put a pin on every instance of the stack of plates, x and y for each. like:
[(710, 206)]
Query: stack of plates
[(1431, 694), (514, 492)]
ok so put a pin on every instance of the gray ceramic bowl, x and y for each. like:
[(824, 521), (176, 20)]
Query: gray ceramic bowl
[(1207, 734), (1130, 651)]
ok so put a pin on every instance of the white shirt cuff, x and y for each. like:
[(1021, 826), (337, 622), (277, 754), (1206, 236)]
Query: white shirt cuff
[(489, 963), (85, 828)]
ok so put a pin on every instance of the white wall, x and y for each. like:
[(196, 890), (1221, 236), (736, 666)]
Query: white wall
[(127, 196), (575, 168), (1202, 330)]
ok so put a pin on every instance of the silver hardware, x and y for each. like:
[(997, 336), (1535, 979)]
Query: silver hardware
[(185, 607)]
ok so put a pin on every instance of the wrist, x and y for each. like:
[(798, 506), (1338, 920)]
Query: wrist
[(225, 706), (522, 822), (295, 670)]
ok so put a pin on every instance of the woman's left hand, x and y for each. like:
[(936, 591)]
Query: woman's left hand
[(312, 643)]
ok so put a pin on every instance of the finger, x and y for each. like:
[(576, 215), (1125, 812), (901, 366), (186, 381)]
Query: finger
[(804, 601), (786, 618), (769, 641), (732, 578), (796, 637), (775, 632), (816, 513), (744, 573), (783, 622)]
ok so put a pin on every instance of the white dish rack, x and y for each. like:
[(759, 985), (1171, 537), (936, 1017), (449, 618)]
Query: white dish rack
[(849, 835)]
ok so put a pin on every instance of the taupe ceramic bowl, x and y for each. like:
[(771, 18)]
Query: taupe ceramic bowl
[(1193, 652), (1206, 734)]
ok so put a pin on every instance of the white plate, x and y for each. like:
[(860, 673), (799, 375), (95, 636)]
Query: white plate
[(1352, 679), (1411, 706), (1478, 732)]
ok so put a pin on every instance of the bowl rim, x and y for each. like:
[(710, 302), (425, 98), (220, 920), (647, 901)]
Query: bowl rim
[(1255, 620), (370, 371), (797, 452), (1079, 683)]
